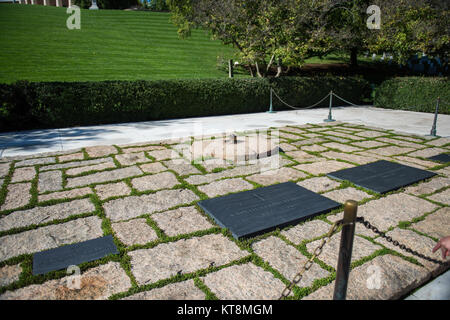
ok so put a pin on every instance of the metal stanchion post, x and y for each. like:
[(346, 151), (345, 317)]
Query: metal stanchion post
[(330, 118), (433, 128), (271, 107), (345, 250)]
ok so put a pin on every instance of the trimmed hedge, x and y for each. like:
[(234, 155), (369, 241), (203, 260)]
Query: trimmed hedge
[(31, 105), (414, 94)]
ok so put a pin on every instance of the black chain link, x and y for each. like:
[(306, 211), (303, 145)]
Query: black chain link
[(369, 226)]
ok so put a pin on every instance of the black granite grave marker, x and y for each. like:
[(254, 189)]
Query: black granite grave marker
[(74, 254), (250, 213), (443, 157), (382, 176)]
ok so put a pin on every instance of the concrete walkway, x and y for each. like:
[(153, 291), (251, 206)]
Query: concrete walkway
[(54, 140)]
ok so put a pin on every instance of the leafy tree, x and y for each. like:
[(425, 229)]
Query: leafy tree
[(411, 26), (264, 31)]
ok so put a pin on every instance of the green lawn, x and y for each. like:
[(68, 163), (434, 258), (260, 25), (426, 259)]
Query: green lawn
[(36, 45)]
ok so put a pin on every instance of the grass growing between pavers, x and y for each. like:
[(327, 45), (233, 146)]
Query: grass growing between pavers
[(245, 244)]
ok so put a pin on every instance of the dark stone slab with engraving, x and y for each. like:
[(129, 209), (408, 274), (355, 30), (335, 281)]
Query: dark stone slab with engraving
[(250, 213), (382, 176), (443, 157), (74, 254)]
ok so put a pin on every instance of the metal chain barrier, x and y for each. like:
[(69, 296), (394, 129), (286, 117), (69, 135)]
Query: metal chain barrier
[(352, 104), (288, 105), (369, 226), (308, 264)]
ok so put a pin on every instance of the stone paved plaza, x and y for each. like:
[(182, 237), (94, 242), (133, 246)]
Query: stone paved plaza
[(145, 195)]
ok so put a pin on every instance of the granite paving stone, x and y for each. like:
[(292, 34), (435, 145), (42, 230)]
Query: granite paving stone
[(74, 193), (18, 195), (322, 167), (105, 191), (439, 142), (361, 248), (332, 134), (32, 162), (223, 187), (181, 221), (313, 148), (342, 147), (50, 237), (164, 180), (101, 151), (23, 174), (135, 206), (319, 184), (314, 140), (9, 274), (287, 147), (185, 290), (410, 160), (427, 152), (184, 256), (164, 154), (389, 211), (135, 231), (442, 197), (50, 181), (276, 176), (97, 283), (154, 167), (236, 171), (4, 169), (183, 168), (401, 143), (128, 159), (385, 277), (390, 151), (370, 134), (244, 282), (428, 187), (140, 149), (414, 138), (41, 215), (302, 156), (286, 259), (306, 231), (71, 157), (74, 164), (95, 167), (290, 136), (368, 144), (293, 130), (349, 157), (436, 225), (418, 243), (106, 176), (342, 195), (312, 135)]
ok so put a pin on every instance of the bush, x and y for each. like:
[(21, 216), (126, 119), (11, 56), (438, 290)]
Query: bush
[(27, 105), (414, 94)]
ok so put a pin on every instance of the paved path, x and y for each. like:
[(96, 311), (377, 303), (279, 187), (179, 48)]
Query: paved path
[(145, 195), (37, 141)]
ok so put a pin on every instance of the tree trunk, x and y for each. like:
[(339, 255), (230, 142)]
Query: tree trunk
[(279, 68), (354, 57), (257, 70), (251, 71)]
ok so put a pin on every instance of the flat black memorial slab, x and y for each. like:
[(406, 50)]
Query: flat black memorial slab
[(443, 157), (382, 176), (74, 254), (250, 213)]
